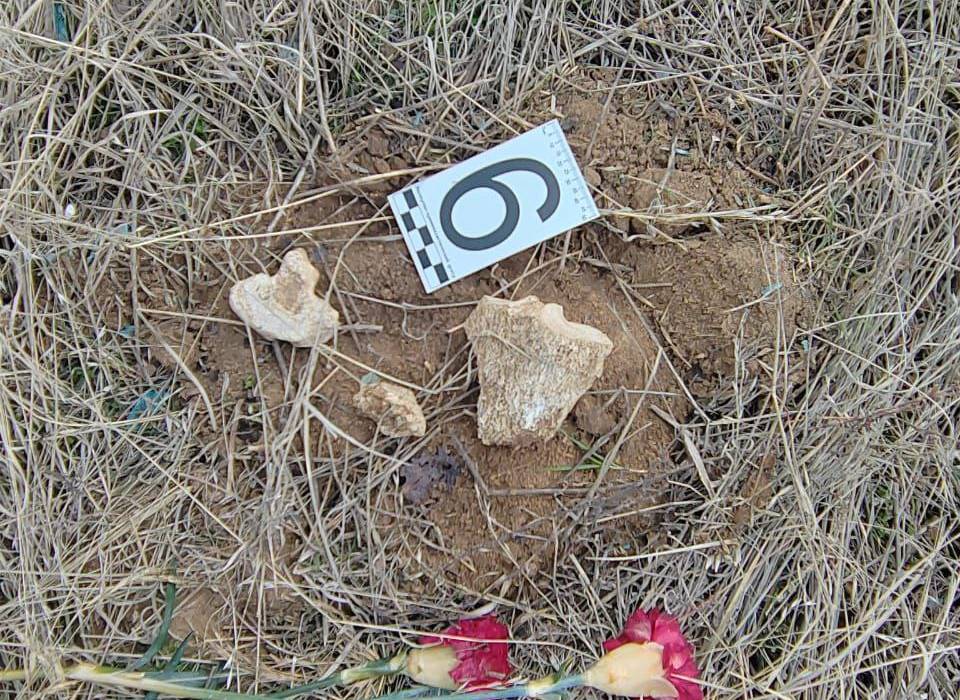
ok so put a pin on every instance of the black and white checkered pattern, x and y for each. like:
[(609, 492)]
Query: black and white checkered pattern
[(426, 253)]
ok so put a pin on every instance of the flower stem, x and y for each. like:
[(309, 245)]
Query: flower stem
[(137, 680), (177, 685), (375, 669), (533, 689)]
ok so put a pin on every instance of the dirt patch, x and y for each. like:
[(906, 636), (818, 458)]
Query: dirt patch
[(719, 303), (685, 297), (520, 508), (198, 614), (677, 178), (505, 519)]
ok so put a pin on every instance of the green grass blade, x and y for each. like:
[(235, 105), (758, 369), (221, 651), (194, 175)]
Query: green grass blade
[(60, 26), (169, 604), (171, 666)]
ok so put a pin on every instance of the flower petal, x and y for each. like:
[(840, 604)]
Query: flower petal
[(678, 656), (666, 630), (678, 661), (616, 642), (639, 627)]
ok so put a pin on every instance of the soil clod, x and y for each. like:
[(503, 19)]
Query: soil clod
[(424, 474)]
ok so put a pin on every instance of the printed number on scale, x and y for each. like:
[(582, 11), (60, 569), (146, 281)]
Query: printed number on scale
[(493, 205)]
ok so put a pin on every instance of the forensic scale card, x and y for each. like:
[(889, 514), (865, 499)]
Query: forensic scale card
[(493, 205)]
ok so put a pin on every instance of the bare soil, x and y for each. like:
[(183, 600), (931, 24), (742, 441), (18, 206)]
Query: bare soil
[(687, 295)]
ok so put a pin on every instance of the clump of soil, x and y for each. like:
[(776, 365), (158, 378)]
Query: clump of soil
[(678, 300), (429, 473)]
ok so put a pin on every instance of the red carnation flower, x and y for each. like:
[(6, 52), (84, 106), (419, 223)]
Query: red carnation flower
[(659, 628), (477, 660)]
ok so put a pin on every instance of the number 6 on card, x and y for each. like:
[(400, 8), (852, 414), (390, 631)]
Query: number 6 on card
[(493, 205)]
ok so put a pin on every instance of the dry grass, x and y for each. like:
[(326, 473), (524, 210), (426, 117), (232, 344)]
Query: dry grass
[(124, 146)]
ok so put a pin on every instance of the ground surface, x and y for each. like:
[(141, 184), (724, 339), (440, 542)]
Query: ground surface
[(770, 453), (683, 312)]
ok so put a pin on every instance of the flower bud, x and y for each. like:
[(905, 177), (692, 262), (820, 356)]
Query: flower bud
[(632, 670), (654, 628), (432, 666), (474, 655)]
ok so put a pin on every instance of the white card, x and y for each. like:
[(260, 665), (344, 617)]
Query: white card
[(493, 205)]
